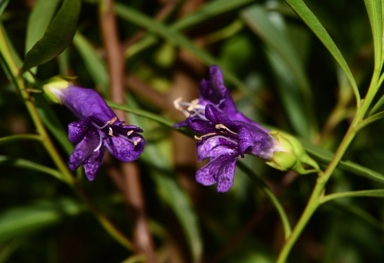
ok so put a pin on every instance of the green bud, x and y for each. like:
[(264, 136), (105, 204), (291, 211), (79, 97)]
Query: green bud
[(290, 155), (53, 86)]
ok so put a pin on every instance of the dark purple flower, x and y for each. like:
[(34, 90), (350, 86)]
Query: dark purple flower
[(97, 128), (225, 133)]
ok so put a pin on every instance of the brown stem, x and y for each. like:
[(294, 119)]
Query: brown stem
[(132, 188)]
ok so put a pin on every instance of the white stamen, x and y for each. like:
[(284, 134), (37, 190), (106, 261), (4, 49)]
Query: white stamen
[(100, 143), (205, 135), (129, 132), (222, 126)]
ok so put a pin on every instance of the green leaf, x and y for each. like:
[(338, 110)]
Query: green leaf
[(325, 157), (57, 37), (24, 220), (361, 193), (39, 20), (374, 10), (20, 137), (3, 5), (26, 164), (93, 62), (314, 24), (178, 40), (293, 85)]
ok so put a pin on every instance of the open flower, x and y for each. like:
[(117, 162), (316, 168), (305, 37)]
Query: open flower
[(98, 128), (225, 134)]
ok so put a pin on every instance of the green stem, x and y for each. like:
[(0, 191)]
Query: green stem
[(315, 199)]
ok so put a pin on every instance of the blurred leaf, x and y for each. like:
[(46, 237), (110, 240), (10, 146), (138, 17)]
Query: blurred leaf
[(177, 39), (19, 137), (294, 88), (374, 9), (3, 5), (57, 37), (361, 193), (326, 156), (26, 164), (92, 61), (314, 24), (20, 221), (39, 20), (208, 11), (172, 194)]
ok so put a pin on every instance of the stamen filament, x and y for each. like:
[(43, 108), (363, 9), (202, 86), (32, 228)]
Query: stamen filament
[(100, 143), (222, 126)]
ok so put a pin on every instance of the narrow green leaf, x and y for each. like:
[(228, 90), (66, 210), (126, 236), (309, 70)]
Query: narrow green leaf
[(26, 164), (207, 12), (24, 220), (325, 157), (374, 10), (57, 37), (178, 40), (3, 5), (92, 61), (314, 24), (19, 137), (361, 193), (39, 20)]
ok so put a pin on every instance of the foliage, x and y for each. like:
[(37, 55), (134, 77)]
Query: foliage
[(312, 69)]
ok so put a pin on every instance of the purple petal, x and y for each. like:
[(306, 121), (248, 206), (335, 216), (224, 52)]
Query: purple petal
[(216, 116), (200, 126), (215, 146), (123, 149), (93, 164), (84, 149), (85, 103), (220, 170), (255, 141), (77, 130)]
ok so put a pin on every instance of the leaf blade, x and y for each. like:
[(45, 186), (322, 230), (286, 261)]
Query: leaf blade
[(57, 37)]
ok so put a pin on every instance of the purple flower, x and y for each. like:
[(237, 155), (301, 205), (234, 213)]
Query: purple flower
[(97, 128), (225, 133)]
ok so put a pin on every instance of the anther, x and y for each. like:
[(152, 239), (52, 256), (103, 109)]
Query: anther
[(136, 142), (110, 131), (112, 121), (129, 132)]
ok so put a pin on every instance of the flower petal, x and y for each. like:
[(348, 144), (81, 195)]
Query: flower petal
[(85, 103), (226, 175), (77, 130), (200, 126), (93, 164), (215, 146), (124, 149), (220, 170), (84, 149), (217, 116)]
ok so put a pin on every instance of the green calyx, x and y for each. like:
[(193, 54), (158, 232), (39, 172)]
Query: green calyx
[(290, 155)]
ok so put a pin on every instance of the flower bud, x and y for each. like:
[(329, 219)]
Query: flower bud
[(290, 155)]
